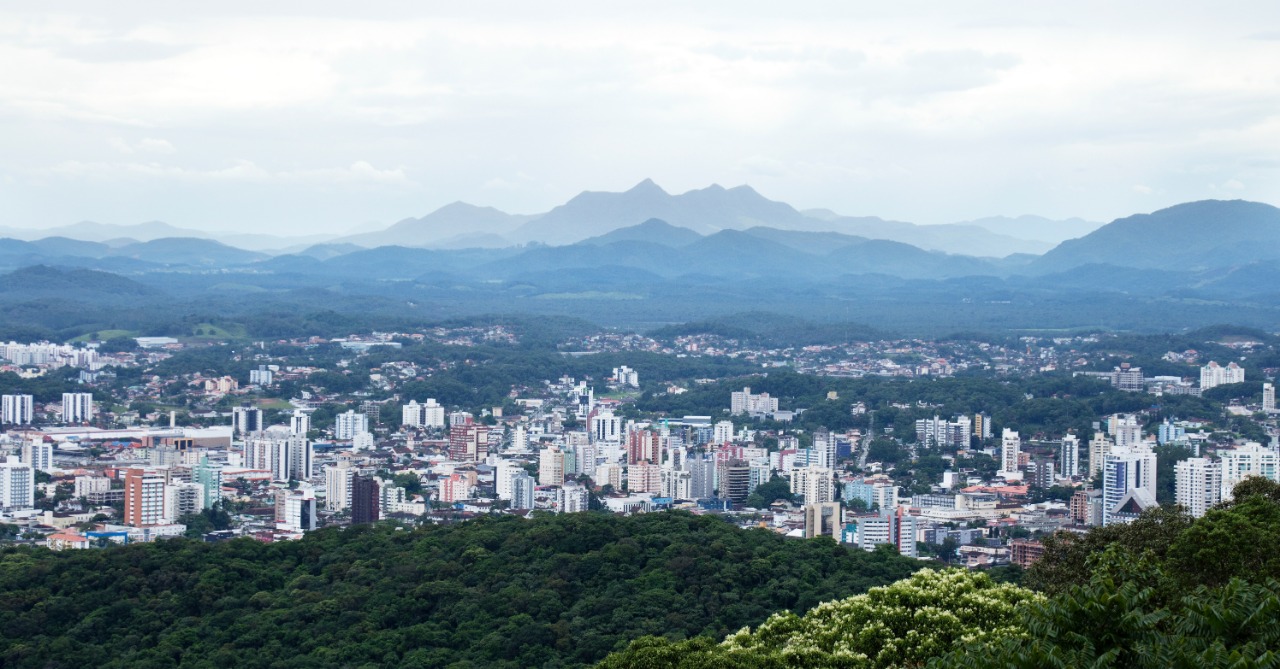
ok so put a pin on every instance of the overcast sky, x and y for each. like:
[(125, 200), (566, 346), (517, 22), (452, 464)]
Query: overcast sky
[(328, 117)]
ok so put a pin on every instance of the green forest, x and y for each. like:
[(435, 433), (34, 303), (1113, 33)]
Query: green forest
[(1165, 591), (553, 591)]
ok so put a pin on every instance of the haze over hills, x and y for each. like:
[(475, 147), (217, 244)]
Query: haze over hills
[(589, 214), (1186, 237), (1203, 262), (1035, 228)]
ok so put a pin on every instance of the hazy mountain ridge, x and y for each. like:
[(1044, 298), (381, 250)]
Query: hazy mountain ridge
[(588, 214), (1187, 237)]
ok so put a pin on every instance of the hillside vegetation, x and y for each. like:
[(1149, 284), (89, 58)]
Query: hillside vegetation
[(561, 591)]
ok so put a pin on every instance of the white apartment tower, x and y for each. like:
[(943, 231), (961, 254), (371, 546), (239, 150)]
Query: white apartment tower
[(17, 485), (1252, 459), (300, 422), (77, 407), (1010, 450), (1213, 375), (348, 424), (815, 483), (1099, 447), (17, 409), (1198, 485), (39, 455), (1069, 455), (551, 466)]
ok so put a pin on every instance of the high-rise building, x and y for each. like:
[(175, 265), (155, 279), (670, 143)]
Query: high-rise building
[(1268, 397), (246, 419), (572, 498), (625, 376), (982, 426), (429, 415), (300, 422), (1126, 469), (608, 474), (182, 499), (503, 475), (702, 477), (87, 484), (468, 442), (348, 424), (522, 490), (209, 476), (677, 484), (1040, 473), (1126, 430), (1197, 485), (1099, 447), (144, 498), (262, 376), (1128, 378), (734, 479), (1010, 451), (1169, 432), (823, 519), (644, 477), (77, 407), (296, 510), (286, 456), (722, 432), (1069, 455), (17, 485), (644, 446), (1213, 375), (745, 402), (364, 500), (825, 447), (815, 484), (895, 528), (17, 409), (605, 427), (1252, 459), (337, 485), (39, 455), (551, 466)]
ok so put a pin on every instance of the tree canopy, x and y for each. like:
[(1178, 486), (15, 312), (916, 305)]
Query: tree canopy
[(561, 591)]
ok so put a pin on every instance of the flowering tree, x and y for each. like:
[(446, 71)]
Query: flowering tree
[(901, 625)]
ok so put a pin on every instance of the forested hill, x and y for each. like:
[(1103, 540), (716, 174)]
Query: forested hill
[(556, 591)]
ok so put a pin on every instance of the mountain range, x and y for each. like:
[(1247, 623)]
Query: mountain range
[(1218, 259), (590, 214)]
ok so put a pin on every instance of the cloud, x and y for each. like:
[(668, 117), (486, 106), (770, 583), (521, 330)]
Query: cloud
[(1143, 190), (145, 145), (358, 173)]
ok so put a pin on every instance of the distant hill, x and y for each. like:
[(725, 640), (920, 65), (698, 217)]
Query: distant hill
[(187, 251), (445, 223), (41, 281), (1035, 228), (704, 211), (654, 231), (1185, 237)]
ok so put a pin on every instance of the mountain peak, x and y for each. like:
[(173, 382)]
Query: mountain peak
[(647, 186)]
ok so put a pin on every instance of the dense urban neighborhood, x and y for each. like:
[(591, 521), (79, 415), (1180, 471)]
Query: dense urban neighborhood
[(963, 452)]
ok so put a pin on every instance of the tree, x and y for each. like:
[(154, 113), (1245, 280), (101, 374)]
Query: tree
[(900, 625), (776, 488)]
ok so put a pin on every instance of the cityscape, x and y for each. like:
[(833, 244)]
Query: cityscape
[(575, 335)]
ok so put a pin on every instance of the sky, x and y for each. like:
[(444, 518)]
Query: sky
[(334, 117)]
